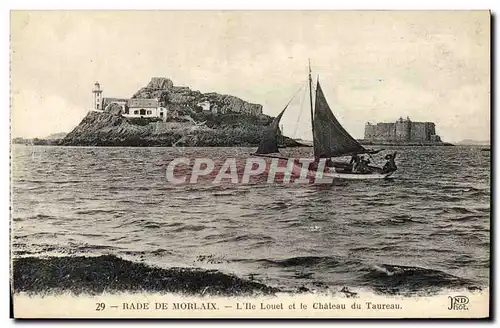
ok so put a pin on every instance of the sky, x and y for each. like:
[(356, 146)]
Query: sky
[(373, 66)]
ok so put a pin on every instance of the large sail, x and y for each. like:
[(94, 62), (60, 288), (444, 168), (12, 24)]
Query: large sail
[(330, 138), (269, 143)]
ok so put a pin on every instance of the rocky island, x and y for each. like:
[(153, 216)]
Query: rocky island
[(403, 132), (161, 114)]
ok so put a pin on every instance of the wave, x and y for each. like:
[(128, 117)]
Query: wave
[(230, 238), (190, 227), (443, 198), (96, 211), (50, 181), (397, 279), (403, 219), (41, 217), (457, 209), (303, 261), (398, 219), (278, 205), (379, 203), (383, 278), (38, 235), (480, 193), (234, 192), (143, 223), (466, 218), (118, 238)]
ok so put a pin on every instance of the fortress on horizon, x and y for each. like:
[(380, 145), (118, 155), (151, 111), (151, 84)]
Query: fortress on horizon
[(403, 130)]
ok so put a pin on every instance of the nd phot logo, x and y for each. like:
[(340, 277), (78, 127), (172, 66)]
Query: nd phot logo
[(458, 303)]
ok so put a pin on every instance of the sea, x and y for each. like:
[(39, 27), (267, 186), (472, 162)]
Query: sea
[(424, 230)]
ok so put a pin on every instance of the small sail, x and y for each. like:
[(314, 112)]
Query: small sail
[(330, 138), (269, 143)]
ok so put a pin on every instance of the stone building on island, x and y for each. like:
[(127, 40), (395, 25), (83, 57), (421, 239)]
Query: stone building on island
[(401, 131), (132, 107)]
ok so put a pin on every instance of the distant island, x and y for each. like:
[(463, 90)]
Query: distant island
[(403, 132), (470, 142), (53, 139)]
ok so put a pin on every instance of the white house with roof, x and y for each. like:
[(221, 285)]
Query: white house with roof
[(132, 107)]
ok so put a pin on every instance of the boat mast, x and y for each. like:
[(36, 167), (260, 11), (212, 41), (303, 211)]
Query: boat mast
[(311, 100)]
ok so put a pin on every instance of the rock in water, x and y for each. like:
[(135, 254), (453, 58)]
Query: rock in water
[(106, 129), (235, 123)]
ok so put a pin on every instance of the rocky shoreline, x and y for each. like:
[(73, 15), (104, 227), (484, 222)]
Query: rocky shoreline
[(108, 273), (226, 130)]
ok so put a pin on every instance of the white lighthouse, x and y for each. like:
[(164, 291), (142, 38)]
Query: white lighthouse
[(97, 91)]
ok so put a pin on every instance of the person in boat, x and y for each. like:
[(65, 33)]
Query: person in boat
[(354, 159), (358, 167), (390, 165), (354, 162), (362, 166)]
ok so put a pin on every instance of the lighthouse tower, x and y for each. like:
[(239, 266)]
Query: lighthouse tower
[(97, 91)]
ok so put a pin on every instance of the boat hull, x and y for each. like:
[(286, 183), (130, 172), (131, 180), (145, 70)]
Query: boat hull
[(357, 176), (336, 172)]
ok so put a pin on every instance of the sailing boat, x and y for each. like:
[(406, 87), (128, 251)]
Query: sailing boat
[(330, 140)]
